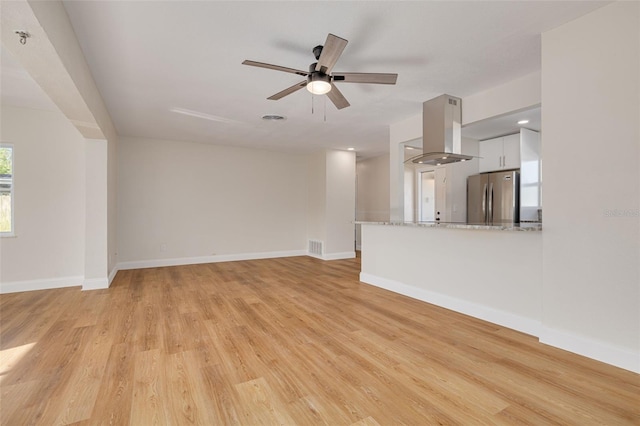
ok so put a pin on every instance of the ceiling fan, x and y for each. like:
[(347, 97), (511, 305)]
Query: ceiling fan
[(320, 80)]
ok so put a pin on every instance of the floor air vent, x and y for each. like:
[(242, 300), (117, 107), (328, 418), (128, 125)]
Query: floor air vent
[(315, 247)]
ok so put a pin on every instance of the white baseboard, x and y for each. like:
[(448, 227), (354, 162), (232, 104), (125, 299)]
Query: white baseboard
[(591, 348), (141, 264), (334, 256), (505, 319), (44, 284), (359, 247), (338, 256), (112, 275), (95, 284)]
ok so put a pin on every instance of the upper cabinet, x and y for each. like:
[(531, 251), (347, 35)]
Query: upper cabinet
[(511, 155), (501, 153)]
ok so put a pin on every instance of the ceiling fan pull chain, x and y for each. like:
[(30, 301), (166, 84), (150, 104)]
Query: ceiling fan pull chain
[(325, 109), (312, 98)]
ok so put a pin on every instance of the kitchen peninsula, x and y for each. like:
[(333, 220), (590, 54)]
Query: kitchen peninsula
[(489, 272)]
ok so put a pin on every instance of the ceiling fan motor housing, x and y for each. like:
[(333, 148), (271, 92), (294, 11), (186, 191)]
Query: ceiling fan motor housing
[(317, 51), (317, 75)]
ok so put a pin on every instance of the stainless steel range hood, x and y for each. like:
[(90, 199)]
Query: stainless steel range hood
[(441, 131)]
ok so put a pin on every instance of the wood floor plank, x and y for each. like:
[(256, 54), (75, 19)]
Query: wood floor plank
[(149, 400), (260, 405), (115, 396), (283, 341)]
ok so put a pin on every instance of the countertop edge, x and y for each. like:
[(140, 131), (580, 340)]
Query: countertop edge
[(526, 227)]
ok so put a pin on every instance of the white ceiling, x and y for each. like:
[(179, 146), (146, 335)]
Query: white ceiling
[(149, 57)]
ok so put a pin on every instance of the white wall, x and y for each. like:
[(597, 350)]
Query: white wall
[(373, 189), (96, 241), (182, 201), (591, 124), (515, 95), (372, 192), (331, 202), (49, 155), (400, 132), (457, 174), (493, 275), (316, 196), (341, 204)]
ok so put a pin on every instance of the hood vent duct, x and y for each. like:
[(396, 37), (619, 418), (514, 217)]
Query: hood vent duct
[(441, 132)]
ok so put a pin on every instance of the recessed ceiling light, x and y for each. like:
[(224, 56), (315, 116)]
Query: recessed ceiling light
[(464, 159), (444, 158), (409, 147), (523, 121), (350, 149), (273, 117)]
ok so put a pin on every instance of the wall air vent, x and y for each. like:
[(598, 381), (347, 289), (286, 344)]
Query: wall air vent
[(315, 248)]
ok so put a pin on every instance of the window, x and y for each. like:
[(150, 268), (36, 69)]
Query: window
[(6, 190)]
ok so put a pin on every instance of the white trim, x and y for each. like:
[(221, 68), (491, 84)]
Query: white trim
[(337, 256), (95, 284), (505, 319), (43, 284), (334, 256), (112, 275), (359, 247), (591, 348), (156, 263)]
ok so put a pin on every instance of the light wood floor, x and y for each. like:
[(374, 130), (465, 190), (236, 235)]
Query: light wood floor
[(283, 341)]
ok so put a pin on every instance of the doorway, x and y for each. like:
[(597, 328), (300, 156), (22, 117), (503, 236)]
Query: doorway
[(427, 196)]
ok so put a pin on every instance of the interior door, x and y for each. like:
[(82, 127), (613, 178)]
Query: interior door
[(427, 204)]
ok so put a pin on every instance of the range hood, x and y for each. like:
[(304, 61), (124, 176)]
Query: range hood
[(441, 131)]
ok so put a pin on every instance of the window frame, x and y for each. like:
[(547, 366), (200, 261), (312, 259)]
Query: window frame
[(12, 192)]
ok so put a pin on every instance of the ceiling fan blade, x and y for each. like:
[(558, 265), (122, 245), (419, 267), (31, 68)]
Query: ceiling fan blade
[(337, 97), (331, 52), (288, 91), (275, 67), (365, 77)]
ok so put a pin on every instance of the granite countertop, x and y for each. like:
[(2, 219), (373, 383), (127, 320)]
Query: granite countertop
[(528, 226)]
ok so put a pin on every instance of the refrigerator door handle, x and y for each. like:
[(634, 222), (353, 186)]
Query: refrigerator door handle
[(490, 209), (484, 203)]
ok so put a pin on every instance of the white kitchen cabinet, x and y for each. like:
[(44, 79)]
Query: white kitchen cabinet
[(490, 152), (511, 153), (501, 153)]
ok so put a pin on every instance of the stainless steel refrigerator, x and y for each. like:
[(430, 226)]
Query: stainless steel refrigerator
[(494, 198)]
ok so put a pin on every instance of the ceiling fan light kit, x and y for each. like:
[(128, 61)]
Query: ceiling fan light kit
[(320, 80), (319, 83)]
